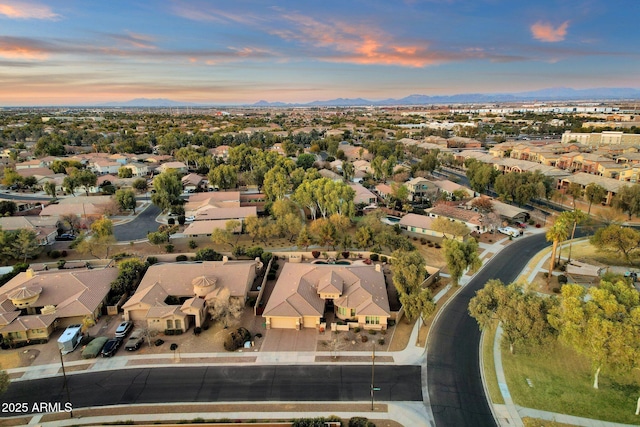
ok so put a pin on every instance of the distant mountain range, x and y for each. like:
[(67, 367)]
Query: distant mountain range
[(550, 94)]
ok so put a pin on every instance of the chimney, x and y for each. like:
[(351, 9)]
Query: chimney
[(30, 273), (379, 268)]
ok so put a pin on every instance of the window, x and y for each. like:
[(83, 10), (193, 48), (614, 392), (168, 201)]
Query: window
[(342, 311), (178, 325), (372, 320), (169, 324)]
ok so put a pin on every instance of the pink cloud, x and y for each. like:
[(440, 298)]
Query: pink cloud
[(23, 10), (17, 48), (545, 32), (358, 43)]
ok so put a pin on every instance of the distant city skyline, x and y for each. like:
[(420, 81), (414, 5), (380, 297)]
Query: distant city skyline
[(69, 52)]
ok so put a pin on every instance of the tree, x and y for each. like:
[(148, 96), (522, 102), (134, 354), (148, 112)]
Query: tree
[(304, 239), (140, 184), (130, 272), (409, 271), (276, 184), (225, 308), (324, 231), (158, 238), (364, 236), (348, 170), (126, 199), (7, 207), (125, 172), (69, 184), (628, 200), (168, 189), (71, 222), (225, 236), (84, 178), (50, 188), (11, 177), (223, 176), (557, 233), (418, 304), (575, 217), (101, 240), (452, 228), (30, 181), (102, 227), (460, 256), (594, 193), (483, 204), (25, 244), (575, 191), (523, 314), (622, 240), (604, 327), (305, 161)]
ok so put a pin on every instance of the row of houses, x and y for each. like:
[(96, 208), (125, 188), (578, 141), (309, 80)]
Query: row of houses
[(176, 297)]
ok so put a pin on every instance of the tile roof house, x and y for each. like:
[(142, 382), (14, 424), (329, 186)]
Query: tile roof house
[(472, 219), (178, 166), (300, 295), (44, 227), (191, 285), (33, 305)]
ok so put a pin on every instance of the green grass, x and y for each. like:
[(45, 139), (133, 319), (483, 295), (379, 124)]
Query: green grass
[(489, 365), (562, 382), (535, 422)]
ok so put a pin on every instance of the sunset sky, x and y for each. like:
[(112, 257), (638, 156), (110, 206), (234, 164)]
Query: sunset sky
[(72, 52)]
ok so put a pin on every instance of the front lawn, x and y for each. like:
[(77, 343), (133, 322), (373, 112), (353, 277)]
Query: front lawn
[(557, 379)]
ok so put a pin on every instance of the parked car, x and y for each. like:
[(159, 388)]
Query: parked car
[(135, 341), (65, 237), (521, 224), (111, 347), (123, 329), (510, 231)]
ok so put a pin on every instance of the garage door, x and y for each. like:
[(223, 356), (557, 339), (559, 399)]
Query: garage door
[(311, 321), (283, 322)]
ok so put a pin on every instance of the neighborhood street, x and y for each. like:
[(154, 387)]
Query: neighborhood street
[(456, 394), (143, 223), (327, 383)]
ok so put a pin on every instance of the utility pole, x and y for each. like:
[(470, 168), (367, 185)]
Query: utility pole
[(65, 384)]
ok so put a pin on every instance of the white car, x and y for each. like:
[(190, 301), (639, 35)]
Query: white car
[(510, 231)]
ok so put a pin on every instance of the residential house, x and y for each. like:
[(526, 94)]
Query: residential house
[(33, 305), (44, 227), (363, 196), (212, 210), (420, 189), (472, 219), (304, 291), (423, 226), (177, 166), (137, 169), (175, 296), (104, 167), (450, 187), (31, 164), (82, 206), (192, 182)]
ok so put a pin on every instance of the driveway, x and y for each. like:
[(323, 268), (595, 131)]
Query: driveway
[(137, 229), (290, 340)]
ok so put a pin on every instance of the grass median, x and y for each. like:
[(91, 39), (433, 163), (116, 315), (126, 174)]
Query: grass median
[(489, 365)]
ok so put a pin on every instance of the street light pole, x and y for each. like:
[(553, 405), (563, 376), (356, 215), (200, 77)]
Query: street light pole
[(373, 366), (65, 385)]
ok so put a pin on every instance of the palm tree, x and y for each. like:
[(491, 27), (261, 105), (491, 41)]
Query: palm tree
[(558, 232), (576, 217)]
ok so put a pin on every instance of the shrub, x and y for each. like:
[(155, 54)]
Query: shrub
[(236, 339), (275, 266), (545, 274), (254, 252), (360, 422), (356, 329), (54, 254), (181, 258), (423, 241), (61, 264), (381, 341), (63, 254), (562, 267), (345, 254), (169, 248), (364, 338), (315, 254), (383, 258), (181, 219), (152, 260), (437, 245), (372, 332), (556, 290), (208, 254), (192, 244), (562, 279), (373, 257), (271, 275), (197, 330), (239, 250), (171, 221), (266, 257)]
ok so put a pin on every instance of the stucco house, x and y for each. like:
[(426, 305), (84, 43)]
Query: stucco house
[(173, 296), (34, 304), (304, 292)]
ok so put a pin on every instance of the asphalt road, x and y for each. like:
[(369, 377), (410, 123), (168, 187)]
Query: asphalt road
[(25, 196), (326, 383), (140, 226), (456, 394)]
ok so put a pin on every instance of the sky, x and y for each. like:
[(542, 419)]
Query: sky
[(73, 52)]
